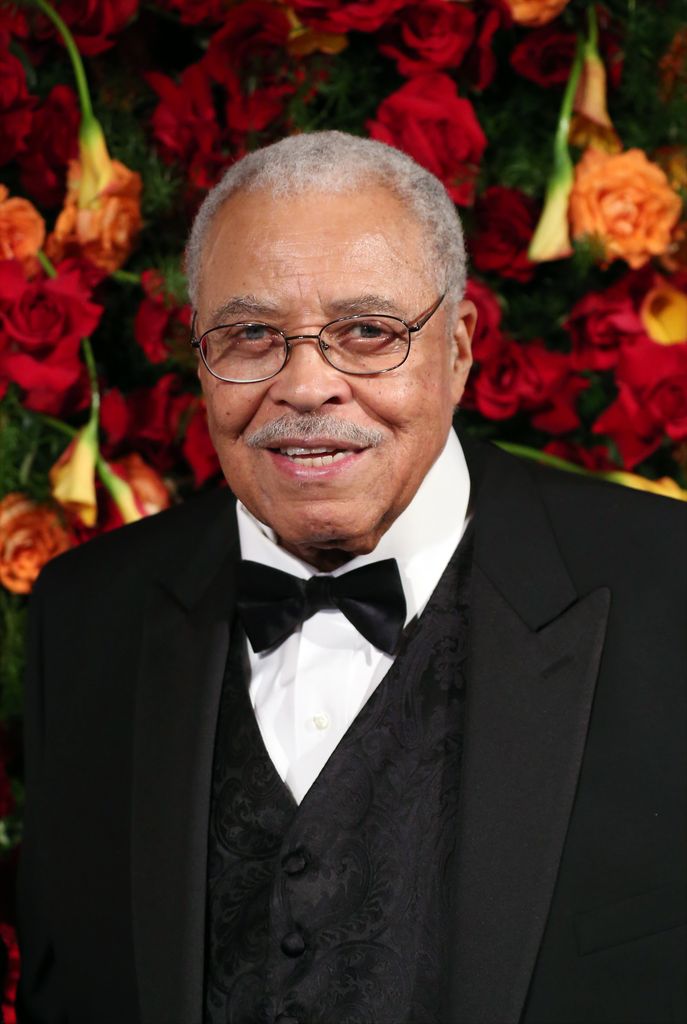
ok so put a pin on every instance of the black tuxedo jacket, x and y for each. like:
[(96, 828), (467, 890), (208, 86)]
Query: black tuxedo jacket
[(569, 889)]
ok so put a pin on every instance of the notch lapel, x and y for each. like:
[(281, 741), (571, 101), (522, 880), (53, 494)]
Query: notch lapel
[(183, 657), (535, 654)]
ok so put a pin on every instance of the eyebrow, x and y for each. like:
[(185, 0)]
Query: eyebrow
[(251, 307)]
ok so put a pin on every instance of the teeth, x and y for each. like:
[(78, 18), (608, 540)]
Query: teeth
[(316, 460), (304, 451)]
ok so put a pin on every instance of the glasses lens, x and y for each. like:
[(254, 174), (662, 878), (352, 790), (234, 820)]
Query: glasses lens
[(366, 344), (243, 352)]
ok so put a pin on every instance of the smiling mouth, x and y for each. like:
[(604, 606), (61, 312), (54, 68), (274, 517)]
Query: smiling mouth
[(321, 456)]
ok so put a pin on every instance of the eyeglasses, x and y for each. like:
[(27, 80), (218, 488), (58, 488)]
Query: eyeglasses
[(362, 345)]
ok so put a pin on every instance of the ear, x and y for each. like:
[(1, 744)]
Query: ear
[(465, 319)]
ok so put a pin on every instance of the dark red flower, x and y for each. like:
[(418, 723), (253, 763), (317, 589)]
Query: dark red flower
[(8, 937), (545, 55), (594, 457), (195, 12), (252, 33), (42, 322), (488, 337), (94, 23), (429, 36), (15, 103), (159, 318), (52, 142), (148, 420), (505, 222), (480, 62), (347, 15), (435, 126), (198, 449), (651, 402), (601, 324), (252, 111), (185, 123), (533, 379)]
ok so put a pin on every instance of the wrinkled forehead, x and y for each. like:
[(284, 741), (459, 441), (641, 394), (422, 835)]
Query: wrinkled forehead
[(315, 234)]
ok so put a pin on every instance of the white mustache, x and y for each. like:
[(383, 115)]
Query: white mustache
[(313, 426)]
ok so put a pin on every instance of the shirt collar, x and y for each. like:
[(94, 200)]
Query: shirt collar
[(422, 539)]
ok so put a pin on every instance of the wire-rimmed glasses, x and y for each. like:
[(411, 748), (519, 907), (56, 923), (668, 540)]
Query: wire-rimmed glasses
[(364, 344)]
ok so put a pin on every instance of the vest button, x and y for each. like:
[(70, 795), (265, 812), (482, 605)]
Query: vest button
[(295, 862), (293, 944)]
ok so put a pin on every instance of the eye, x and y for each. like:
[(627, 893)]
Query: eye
[(367, 333)]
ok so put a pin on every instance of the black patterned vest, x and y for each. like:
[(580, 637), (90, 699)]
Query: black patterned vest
[(336, 911)]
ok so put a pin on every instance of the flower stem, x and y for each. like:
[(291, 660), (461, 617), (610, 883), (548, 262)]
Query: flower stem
[(74, 56), (89, 359), (46, 263), (538, 456), (126, 276)]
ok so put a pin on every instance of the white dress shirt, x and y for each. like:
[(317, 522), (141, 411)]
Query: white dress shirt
[(306, 692)]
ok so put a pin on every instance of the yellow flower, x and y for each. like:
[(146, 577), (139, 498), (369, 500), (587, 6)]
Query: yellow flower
[(303, 41), (551, 239), (665, 485), (664, 314), (591, 124), (72, 478)]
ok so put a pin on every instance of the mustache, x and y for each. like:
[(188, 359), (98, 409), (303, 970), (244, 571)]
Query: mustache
[(311, 426)]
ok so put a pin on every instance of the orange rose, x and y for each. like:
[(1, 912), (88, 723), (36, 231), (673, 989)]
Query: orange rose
[(147, 488), (535, 12), (624, 203), (104, 231), (30, 535), (22, 230)]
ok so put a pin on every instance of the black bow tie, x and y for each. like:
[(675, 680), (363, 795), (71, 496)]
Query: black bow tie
[(272, 603)]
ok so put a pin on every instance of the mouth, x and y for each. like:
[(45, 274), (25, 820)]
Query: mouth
[(322, 453)]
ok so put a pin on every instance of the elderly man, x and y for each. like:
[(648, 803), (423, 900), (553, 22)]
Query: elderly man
[(394, 737)]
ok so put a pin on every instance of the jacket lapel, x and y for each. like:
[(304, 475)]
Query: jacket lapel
[(184, 650), (535, 653)]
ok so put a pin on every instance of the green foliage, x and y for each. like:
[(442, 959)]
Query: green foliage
[(12, 643)]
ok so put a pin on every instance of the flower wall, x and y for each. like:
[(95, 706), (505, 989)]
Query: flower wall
[(557, 126)]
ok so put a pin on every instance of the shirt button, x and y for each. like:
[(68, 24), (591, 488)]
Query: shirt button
[(295, 862), (293, 944), (321, 721)]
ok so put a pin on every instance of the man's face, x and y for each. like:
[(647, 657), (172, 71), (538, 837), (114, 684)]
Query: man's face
[(298, 263)]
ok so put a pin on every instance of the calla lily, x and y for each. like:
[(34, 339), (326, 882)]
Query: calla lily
[(551, 238), (121, 493), (665, 485), (97, 171), (134, 486), (303, 40), (591, 124), (664, 314), (72, 478)]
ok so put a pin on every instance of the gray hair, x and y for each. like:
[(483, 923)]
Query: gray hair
[(336, 162)]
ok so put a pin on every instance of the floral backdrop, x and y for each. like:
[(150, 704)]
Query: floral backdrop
[(557, 126)]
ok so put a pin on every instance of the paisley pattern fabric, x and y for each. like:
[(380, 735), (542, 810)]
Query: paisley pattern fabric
[(337, 911)]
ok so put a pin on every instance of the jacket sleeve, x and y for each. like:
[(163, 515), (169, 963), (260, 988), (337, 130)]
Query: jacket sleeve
[(38, 998)]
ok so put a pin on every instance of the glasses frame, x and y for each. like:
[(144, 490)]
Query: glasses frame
[(412, 328)]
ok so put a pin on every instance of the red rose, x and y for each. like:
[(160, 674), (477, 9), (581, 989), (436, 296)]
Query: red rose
[(198, 449), (160, 320), (651, 401), (149, 420), (429, 36), (601, 324), (530, 378), (94, 23), (252, 111), (595, 457), (545, 56), (38, 316), (42, 323), (15, 103), (185, 124), (193, 12), (253, 32), (488, 337), (52, 142), (435, 126), (8, 937), (346, 15), (480, 62), (505, 222)]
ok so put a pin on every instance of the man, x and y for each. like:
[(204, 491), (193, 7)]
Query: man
[(395, 738)]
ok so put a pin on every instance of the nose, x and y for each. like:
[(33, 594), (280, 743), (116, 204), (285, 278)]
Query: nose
[(308, 382)]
